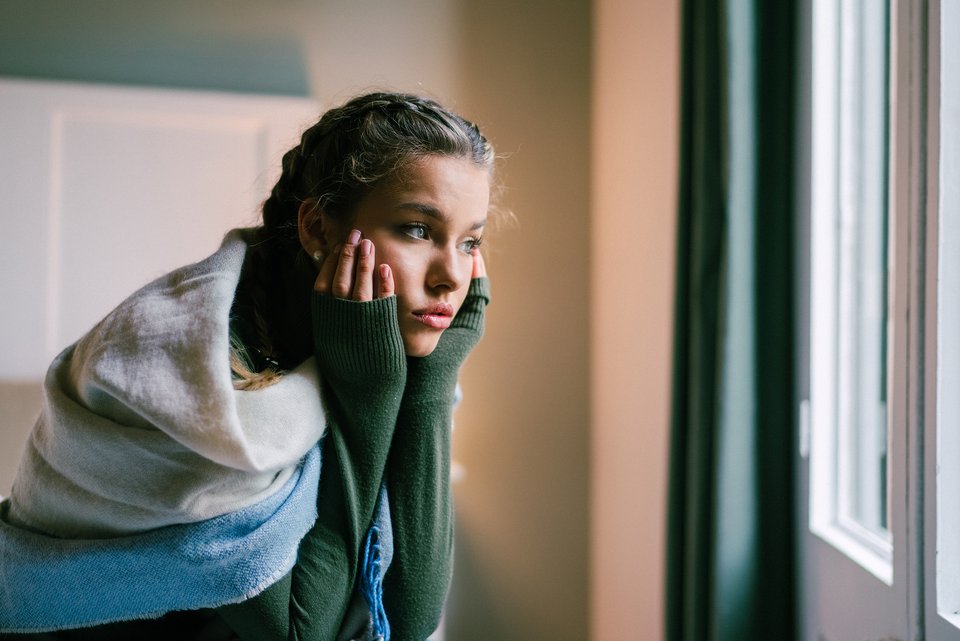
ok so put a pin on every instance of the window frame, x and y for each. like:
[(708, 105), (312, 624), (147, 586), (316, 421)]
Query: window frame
[(941, 553)]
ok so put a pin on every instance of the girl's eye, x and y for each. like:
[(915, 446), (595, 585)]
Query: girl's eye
[(415, 231), (470, 244)]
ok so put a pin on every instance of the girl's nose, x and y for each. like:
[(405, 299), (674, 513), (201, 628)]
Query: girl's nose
[(450, 269)]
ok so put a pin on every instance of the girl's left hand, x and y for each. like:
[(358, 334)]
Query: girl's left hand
[(479, 268), (348, 272)]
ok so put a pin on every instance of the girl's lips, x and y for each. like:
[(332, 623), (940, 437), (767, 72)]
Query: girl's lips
[(437, 316)]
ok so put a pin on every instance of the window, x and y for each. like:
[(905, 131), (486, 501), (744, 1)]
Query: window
[(881, 559), (850, 282)]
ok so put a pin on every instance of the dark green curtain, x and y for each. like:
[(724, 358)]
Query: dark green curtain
[(731, 557)]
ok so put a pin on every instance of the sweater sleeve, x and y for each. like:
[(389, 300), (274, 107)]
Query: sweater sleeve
[(418, 478), (363, 370)]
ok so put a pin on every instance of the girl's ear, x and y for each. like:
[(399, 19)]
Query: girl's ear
[(311, 229)]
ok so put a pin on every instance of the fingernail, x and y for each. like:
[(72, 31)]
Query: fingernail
[(384, 271), (354, 237), (365, 247)]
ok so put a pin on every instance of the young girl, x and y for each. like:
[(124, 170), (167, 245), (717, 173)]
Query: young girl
[(257, 446)]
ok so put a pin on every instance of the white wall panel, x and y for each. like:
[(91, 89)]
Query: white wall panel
[(103, 189)]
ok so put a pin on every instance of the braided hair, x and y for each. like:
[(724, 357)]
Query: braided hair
[(339, 160)]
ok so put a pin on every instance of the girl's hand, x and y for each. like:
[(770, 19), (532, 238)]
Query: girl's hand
[(348, 272), (479, 269)]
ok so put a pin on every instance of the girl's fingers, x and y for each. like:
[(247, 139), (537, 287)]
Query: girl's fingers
[(386, 287), (348, 272), (324, 282), (363, 287), (343, 279), (479, 268)]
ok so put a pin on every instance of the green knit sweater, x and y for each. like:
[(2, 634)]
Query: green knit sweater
[(389, 421)]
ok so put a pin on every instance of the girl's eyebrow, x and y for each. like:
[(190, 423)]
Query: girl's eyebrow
[(436, 214)]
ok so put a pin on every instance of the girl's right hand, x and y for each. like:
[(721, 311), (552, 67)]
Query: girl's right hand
[(348, 272)]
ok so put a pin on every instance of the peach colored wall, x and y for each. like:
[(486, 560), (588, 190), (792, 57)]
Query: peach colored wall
[(523, 433), (634, 173)]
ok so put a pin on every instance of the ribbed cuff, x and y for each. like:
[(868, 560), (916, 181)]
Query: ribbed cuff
[(354, 338), (470, 315)]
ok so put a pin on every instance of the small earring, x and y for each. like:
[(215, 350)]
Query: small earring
[(318, 257)]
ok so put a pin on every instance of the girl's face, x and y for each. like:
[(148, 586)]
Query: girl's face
[(424, 224)]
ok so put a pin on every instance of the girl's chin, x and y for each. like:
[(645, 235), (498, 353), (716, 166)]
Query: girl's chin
[(418, 347)]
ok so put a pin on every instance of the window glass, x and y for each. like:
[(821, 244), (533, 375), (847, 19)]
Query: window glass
[(850, 279), (862, 276)]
